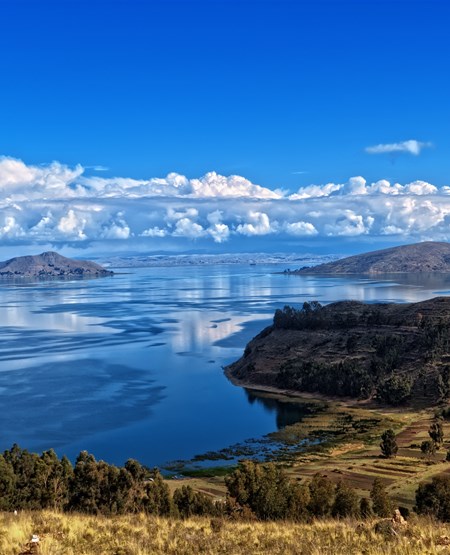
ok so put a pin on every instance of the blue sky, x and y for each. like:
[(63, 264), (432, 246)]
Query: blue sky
[(286, 94)]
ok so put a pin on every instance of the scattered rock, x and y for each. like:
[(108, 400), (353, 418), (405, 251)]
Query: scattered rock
[(391, 527), (398, 518)]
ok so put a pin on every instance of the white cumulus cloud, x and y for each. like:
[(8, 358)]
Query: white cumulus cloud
[(300, 229), (349, 224), (72, 225), (187, 228), (154, 232), (258, 224), (57, 205), (117, 228), (10, 228), (219, 231), (358, 186), (411, 147)]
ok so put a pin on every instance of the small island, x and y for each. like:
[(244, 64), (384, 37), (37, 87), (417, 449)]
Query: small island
[(429, 256), (51, 265)]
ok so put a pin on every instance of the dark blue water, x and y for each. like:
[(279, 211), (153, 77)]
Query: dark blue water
[(131, 366)]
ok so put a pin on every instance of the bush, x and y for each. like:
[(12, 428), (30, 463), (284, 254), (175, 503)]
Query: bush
[(434, 498), (396, 390), (307, 317), (190, 502), (428, 447)]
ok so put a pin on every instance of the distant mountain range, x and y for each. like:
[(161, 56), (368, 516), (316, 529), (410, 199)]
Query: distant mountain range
[(51, 264), (212, 259), (419, 257)]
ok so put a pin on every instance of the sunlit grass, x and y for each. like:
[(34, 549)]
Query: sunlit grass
[(63, 534)]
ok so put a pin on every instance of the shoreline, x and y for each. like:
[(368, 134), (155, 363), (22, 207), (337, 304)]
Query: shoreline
[(292, 394)]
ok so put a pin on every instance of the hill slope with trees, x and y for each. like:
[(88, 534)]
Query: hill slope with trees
[(395, 353)]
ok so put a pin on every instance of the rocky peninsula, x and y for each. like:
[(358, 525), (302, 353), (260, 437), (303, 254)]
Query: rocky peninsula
[(393, 353)]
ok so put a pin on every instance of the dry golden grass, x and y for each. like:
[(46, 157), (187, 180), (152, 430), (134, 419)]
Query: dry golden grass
[(63, 534)]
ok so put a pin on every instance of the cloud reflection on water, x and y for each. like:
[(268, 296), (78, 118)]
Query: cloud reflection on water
[(97, 365)]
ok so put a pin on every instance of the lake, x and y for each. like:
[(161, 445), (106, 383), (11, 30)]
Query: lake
[(130, 366)]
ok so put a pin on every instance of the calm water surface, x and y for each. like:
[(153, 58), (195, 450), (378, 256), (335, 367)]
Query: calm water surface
[(131, 366)]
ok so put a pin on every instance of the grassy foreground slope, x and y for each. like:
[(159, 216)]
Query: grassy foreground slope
[(144, 535)]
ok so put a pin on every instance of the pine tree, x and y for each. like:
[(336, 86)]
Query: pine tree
[(381, 503), (388, 444), (428, 448), (436, 433)]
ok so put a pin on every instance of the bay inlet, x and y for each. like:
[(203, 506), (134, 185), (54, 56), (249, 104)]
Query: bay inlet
[(132, 366)]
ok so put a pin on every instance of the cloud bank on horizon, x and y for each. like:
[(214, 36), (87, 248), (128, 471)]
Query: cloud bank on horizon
[(58, 205)]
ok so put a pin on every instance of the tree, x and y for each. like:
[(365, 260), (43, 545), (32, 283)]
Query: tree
[(434, 498), (108, 497), (321, 493), (365, 509), (27, 488), (436, 433), (298, 502), (396, 390), (345, 501), (428, 448), (388, 444), (7, 485), (85, 485), (157, 498), (263, 488), (54, 477), (190, 502), (381, 503)]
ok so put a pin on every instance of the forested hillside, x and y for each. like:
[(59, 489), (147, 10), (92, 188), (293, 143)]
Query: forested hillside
[(395, 353)]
